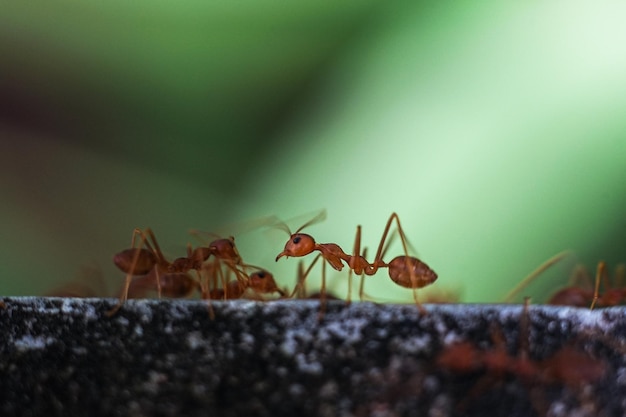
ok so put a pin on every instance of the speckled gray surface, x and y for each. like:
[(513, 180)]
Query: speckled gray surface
[(167, 358)]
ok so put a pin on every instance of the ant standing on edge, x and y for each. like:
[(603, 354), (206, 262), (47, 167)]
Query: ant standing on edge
[(406, 271)]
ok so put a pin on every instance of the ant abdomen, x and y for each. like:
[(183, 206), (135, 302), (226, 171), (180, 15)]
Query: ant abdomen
[(178, 285), (410, 272), (145, 261), (571, 296)]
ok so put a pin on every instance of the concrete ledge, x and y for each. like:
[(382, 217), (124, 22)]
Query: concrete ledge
[(167, 358)]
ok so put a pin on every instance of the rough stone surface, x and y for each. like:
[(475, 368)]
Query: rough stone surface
[(168, 358)]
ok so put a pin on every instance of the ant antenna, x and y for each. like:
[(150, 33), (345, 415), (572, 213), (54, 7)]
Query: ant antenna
[(279, 224), (529, 278), (321, 216)]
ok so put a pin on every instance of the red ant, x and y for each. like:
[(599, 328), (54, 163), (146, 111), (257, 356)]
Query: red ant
[(171, 284), (260, 282), (172, 278), (404, 270), (578, 296), (568, 366), (579, 293)]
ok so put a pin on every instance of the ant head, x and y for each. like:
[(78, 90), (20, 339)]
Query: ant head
[(225, 249), (262, 281), (299, 244)]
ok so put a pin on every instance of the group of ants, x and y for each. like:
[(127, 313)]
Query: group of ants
[(216, 270)]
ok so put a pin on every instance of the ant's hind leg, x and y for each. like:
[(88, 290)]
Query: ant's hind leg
[(300, 285), (131, 270), (383, 239), (322, 311), (356, 252), (600, 272)]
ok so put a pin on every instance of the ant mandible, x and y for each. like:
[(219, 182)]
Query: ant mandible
[(406, 271)]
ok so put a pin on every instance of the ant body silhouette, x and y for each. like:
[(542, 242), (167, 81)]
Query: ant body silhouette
[(568, 366), (406, 271), (580, 295), (259, 282), (579, 292), (172, 278)]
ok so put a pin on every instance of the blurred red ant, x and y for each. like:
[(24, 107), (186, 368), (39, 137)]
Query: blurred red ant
[(404, 270), (259, 282), (172, 285), (579, 292), (171, 278), (568, 366), (579, 296)]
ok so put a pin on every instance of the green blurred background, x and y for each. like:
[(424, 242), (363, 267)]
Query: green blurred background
[(497, 131)]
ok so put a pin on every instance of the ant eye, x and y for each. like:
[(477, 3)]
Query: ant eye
[(261, 274), (296, 239)]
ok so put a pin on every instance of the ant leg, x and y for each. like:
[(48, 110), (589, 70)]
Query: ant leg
[(240, 275), (356, 253), (214, 274), (408, 260), (129, 274), (415, 287), (379, 251), (158, 282), (322, 311), (600, 272), (206, 292), (157, 248), (349, 299), (531, 277), (204, 285), (302, 277), (218, 271), (361, 283), (209, 305), (299, 290), (362, 280)]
